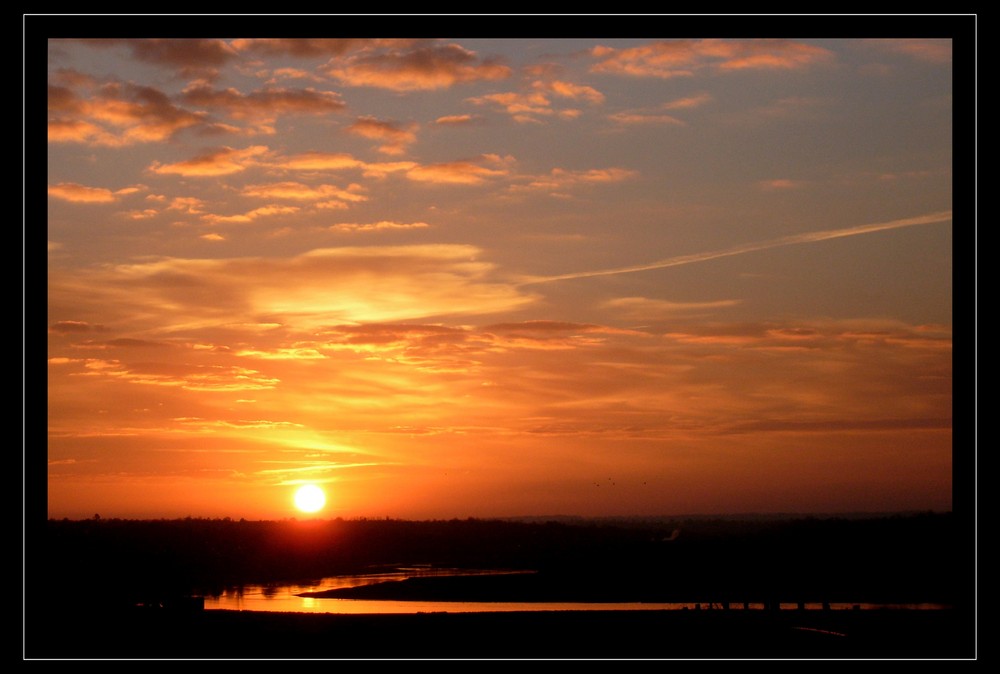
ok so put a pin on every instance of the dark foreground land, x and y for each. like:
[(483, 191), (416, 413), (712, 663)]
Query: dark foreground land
[(117, 589), (901, 634)]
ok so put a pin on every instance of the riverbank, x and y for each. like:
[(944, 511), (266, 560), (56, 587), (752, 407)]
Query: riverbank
[(892, 634)]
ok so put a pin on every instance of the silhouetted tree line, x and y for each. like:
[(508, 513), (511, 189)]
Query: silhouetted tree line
[(914, 558)]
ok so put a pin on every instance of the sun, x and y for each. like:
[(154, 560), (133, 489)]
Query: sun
[(309, 498)]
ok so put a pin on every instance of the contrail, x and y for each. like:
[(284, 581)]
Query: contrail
[(792, 240)]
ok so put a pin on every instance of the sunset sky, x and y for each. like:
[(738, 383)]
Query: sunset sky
[(494, 277)]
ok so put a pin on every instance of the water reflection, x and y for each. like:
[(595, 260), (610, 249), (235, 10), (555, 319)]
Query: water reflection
[(283, 598)]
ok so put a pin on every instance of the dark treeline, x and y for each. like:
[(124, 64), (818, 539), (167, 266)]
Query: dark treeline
[(905, 559)]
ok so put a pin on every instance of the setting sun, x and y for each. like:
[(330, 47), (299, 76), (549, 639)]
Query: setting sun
[(309, 498)]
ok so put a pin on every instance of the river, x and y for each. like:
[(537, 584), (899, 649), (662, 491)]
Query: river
[(284, 598)]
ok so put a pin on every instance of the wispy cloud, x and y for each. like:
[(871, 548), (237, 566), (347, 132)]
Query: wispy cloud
[(685, 58), (262, 106), (301, 192), (528, 106), (394, 137), (88, 195), (371, 283), (310, 47), (795, 239), (559, 179), (576, 92), (644, 308), (923, 49), (454, 173), (249, 216), (382, 225), (456, 120), (223, 161)]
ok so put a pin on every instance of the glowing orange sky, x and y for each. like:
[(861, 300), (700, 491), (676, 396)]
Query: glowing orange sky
[(450, 278)]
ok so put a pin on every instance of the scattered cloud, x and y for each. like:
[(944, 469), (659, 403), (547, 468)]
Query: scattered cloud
[(116, 115), (394, 137), (310, 47), (319, 161), (576, 92), (560, 179), (457, 120), (685, 58), (191, 55), (414, 67), (219, 162), (687, 102), (301, 192), (454, 173), (82, 194), (528, 106), (191, 205), (249, 216), (657, 115), (262, 106)]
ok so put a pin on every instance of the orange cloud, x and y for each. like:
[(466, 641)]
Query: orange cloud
[(263, 104), (300, 192), (643, 308), (369, 283), (306, 47), (644, 118), (376, 226), (570, 90), (220, 162), (319, 161), (82, 194), (187, 204), (559, 178), (249, 216), (683, 58), (116, 115), (454, 173), (656, 115), (414, 67), (456, 120), (521, 106), (394, 137), (695, 101)]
